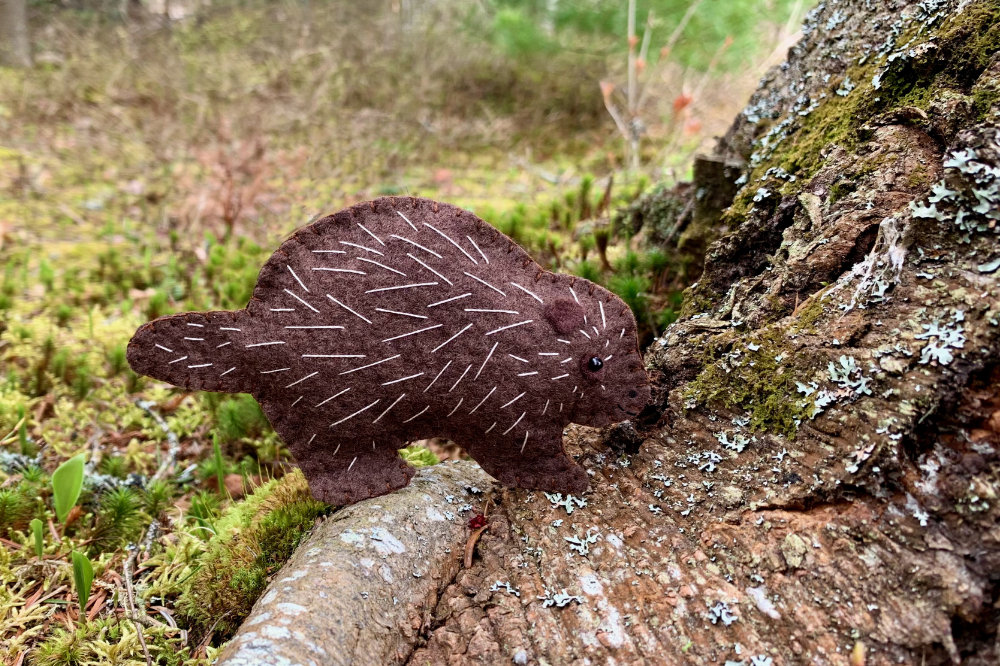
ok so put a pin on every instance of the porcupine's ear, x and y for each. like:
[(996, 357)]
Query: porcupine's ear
[(564, 315), (195, 350)]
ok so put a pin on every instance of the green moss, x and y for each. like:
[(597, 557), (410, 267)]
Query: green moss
[(633, 290), (986, 100), (697, 299), (841, 189), (119, 520), (240, 416), (832, 123), (919, 178), (966, 43), (734, 216), (753, 380), (974, 37), (809, 314), (15, 510), (113, 640), (251, 541)]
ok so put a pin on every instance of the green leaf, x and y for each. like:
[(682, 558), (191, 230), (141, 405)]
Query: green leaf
[(83, 577), (36, 530), (66, 484)]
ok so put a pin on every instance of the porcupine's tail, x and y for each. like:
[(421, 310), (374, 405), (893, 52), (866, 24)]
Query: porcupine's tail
[(195, 350)]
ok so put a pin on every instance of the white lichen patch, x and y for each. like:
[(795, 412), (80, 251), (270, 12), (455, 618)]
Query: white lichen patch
[(434, 515), (734, 441), (569, 502), (559, 599), (506, 586), (764, 605), (942, 337), (879, 271), (382, 541), (581, 544), (847, 375), (720, 612), (591, 585), (289, 608), (973, 206)]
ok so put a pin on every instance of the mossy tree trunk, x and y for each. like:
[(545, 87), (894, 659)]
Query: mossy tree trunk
[(818, 480)]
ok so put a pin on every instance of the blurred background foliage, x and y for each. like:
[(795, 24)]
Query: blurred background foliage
[(156, 152)]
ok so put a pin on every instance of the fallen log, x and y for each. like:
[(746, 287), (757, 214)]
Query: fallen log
[(362, 587)]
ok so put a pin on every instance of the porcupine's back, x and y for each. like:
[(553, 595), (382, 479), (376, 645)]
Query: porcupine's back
[(398, 319)]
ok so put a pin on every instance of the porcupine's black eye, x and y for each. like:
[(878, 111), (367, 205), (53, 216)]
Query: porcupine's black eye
[(595, 364)]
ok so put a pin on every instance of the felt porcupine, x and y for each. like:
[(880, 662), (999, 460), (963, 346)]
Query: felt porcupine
[(401, 319)]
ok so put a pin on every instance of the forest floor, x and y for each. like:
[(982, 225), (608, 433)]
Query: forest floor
[(148, 169)]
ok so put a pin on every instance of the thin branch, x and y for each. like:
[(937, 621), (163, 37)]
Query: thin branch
[(130, 601), (631, 91), (640, 65), (669, 47), (614, 112), (646, 37), (716, 57), (173, 444), (679, 30)]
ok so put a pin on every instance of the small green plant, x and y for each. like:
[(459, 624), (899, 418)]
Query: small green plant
[(37, 532), (83, 578), (64, 312), (67, 481), (14, 509), (47, 275), (588, 270), (157, 305), (239, 416), (419, 456), (25, 445), (82, 381), (157, 497), (204, 510), (119, 519), (220, 475), (113, 465), (32, 473), (117, 362)]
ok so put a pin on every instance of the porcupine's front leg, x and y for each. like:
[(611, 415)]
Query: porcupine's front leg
[(538, 462), (345, 471)]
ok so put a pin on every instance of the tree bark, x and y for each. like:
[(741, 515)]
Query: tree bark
[(15, 48), (818, 479)]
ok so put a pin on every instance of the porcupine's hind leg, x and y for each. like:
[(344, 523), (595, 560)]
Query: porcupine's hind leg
[(538, 462), (345, 472)]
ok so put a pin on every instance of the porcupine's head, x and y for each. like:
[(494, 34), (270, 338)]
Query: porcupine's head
[(606, 372)]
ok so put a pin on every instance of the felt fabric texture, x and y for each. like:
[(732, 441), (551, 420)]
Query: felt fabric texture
[(401, 319)]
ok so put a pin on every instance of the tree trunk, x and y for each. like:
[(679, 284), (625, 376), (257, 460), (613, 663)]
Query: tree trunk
[(15, 49), (818, 479)]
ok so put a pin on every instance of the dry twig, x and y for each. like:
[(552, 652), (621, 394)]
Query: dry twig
[(135, 612), (173, 444)]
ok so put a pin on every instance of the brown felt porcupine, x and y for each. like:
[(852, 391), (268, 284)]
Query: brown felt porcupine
[(401, 319)]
